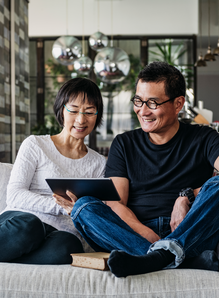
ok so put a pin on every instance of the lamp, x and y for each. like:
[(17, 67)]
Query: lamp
[(209, 56), (201, 61), (111, 64), (66, 48), (216, 50), (83, 65), (98, 40)]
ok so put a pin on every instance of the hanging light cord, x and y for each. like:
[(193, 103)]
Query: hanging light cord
[(83, 27), (209, 23), (218, 21), (66, 17), (98, 15), (200, 27), (111, 23)]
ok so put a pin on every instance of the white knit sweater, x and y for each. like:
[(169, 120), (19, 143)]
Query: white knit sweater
[(38, 159)]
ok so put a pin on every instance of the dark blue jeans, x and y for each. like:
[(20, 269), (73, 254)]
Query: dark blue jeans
[(24, 238), (199, 231)]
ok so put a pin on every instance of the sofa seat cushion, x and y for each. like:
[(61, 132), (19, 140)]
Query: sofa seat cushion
[(5, 171), (65, 281)]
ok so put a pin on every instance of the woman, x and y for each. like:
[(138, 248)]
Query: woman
[(33, 228)]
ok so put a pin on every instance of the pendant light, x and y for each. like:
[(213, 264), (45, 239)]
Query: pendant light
[(216, 50), (201, 62), (83, 65), (209, 56), (66, 48), (111, 64), (98, 40)]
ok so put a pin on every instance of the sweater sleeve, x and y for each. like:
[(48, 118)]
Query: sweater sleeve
[(102, 168), (19, 195)]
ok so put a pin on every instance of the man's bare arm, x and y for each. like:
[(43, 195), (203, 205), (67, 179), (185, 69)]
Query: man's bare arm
[(216, 164), (121, 209), (180, 209)]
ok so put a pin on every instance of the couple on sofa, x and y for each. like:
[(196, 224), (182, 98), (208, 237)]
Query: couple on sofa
[(168, 213)]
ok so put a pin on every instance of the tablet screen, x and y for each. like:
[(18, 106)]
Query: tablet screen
[(100, 188)]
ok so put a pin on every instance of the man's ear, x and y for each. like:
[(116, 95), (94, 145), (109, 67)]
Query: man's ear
[(179, 103)]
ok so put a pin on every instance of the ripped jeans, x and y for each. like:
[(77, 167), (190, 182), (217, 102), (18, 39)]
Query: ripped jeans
[(199, 231)]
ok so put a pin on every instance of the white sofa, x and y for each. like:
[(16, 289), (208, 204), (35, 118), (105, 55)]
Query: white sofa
[(65, 281)]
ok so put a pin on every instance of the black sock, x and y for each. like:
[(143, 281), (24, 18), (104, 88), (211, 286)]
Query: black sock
[(122, 264)]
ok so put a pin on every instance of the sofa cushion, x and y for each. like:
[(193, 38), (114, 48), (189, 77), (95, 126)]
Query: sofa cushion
[(65, 281), (5, 171)]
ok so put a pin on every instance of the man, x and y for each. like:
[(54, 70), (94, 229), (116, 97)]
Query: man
[(156, 224)]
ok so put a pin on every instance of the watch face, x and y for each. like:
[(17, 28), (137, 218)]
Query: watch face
[(188, 192)]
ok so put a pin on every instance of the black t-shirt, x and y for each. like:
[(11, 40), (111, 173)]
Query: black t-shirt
[(157, 173)]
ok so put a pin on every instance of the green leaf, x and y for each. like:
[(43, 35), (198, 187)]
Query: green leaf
[(163, 51), (169, 50), (181, 54), (166, 53), (155, 53), (179, 47)]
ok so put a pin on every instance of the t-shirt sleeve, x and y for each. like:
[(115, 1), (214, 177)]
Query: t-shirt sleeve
[(212, 146), (116, 163)]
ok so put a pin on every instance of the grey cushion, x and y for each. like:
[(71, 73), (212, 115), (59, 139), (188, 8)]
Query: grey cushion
[(65, 281), (5, 171)]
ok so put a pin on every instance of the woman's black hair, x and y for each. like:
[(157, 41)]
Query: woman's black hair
[(71, 90)]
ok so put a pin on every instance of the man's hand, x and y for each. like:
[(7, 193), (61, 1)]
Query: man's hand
[(64, 203), (129, 217), (180, 209), (150, 235)]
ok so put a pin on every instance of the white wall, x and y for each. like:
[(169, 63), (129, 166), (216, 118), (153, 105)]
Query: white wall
[(130, 17)]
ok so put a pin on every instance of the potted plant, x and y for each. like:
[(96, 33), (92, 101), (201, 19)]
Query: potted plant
[(59, 71), (166, 52)]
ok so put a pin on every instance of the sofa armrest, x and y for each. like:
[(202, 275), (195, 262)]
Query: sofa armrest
[(5, 171)]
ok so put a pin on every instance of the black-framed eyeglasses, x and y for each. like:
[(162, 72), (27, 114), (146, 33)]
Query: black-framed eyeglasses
[(150, 103)]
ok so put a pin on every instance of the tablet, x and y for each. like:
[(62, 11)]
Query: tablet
[(101, 188)]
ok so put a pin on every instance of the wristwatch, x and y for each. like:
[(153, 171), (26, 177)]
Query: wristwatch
[(188, 192)]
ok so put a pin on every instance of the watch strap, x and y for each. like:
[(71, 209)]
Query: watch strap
[(188, 192)]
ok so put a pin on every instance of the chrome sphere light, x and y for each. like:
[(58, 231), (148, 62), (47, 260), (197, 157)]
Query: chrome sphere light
[(83, 65), (66, 49), (98, 41), (111, 65)]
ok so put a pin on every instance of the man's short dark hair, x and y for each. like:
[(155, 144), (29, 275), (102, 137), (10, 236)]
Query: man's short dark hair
[(174, 82), (71, 90)]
